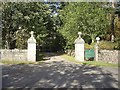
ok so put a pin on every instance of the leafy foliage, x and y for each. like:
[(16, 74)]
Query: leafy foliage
[(55, 24), (108, 45), (21, 18), (21, 38), (89, 18)]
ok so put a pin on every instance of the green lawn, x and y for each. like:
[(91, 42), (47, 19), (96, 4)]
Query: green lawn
[(96, 63)]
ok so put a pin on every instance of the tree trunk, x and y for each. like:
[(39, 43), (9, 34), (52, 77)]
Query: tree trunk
[(112, 22)]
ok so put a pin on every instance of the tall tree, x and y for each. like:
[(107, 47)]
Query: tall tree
[(18, 17), (21, 18), (89, 18)]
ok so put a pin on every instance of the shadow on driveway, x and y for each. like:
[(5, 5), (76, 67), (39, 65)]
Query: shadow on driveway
[(57, 74)]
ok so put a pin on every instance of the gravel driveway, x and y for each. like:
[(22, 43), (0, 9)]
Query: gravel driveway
[(59, 74)]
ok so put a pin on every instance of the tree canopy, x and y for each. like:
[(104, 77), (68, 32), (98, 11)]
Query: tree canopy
[(55, 24), (21, 18), (89, 18)]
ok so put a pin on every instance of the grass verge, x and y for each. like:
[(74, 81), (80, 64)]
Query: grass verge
[(95, 63), (12, 62)]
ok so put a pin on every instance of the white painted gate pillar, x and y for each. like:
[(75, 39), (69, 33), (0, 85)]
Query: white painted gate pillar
[(96, 48), (79, 48), (31, 53)]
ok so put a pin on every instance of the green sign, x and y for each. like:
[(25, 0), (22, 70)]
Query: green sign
[(89, 53)]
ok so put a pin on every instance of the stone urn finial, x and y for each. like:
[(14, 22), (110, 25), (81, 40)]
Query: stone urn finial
[(79, 39), (79, 33), (31, 39), (98, 39), (31, 33)]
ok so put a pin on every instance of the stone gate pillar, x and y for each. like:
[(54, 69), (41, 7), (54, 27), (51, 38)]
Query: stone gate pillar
[(96, 48), (79, 48), (31, 52)]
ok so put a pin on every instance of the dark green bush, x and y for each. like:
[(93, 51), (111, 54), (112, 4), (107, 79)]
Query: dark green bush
[(89, 46), (87, 39), (118, 44), (108, 45)]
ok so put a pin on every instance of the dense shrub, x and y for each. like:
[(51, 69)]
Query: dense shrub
[(118, 44), (89, 46), (87, 39), (108, 45)]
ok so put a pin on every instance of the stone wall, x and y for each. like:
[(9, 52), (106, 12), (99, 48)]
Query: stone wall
[(111, 56), (15, 54)]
